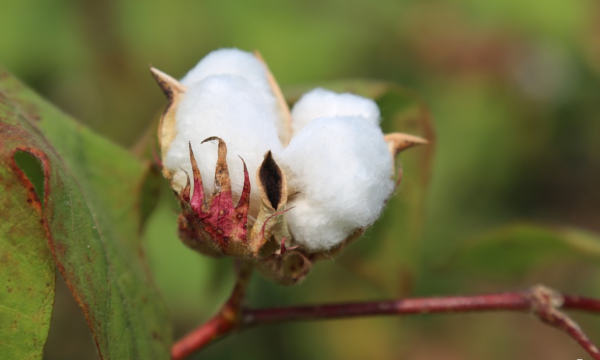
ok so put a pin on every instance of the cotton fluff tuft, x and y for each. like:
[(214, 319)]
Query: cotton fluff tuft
[(324, 103), (233, 62), (237, 63), (231, 108), (341, 170)]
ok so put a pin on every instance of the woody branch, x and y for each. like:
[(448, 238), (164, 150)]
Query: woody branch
[(543, 302)]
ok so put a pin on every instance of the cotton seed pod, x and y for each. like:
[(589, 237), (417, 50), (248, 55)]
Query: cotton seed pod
[(254, 184)]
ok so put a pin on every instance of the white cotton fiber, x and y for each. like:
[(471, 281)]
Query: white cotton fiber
[(341, 170), (231, 108), (233, 62), (237, 63), (324, 103)]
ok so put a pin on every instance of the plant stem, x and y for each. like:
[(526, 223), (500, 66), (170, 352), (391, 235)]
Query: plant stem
[(223, 323), (539, 300)]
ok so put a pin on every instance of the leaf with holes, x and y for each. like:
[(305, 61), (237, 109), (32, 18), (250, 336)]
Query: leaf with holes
[(26, 265), (90, 217)]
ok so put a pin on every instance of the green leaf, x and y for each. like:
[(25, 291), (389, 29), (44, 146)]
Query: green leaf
[(388, 255), (26, 266), (92, 216), (513, 251)]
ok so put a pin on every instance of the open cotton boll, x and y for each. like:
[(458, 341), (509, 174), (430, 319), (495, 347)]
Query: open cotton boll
[(314, 226), (233, 62), (238, 63), (231, 108), (324, 103), (341, 170)]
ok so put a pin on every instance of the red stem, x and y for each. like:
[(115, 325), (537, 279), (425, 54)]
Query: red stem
[(580, 303), (211, 330), (493, 302), (543, 302), (221, 324)]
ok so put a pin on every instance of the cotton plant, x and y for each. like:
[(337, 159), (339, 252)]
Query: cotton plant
[(257, 181)]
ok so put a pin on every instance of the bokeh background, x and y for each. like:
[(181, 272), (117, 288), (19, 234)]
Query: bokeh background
[(512, 87)]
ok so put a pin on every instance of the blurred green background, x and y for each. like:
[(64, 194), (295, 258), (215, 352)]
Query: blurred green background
[(513, 88)]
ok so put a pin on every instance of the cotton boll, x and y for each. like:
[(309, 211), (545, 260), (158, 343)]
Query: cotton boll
[(314, 226), (324, 103), (233, 62), (231, 108), (341, 170), (238, 63)]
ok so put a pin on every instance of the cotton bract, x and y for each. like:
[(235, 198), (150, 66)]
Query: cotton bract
[(337, 164)]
